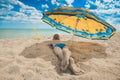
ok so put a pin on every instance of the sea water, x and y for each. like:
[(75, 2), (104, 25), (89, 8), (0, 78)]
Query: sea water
[(20, 33)]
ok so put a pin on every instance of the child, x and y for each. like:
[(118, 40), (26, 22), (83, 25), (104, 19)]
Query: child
[(64, 54)]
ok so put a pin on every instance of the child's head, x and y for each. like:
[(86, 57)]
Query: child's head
[(56, 37)]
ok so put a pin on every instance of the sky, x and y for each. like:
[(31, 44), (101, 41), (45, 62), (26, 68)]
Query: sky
[(28, 13)]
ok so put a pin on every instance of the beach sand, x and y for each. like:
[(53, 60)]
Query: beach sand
[(30, 59)]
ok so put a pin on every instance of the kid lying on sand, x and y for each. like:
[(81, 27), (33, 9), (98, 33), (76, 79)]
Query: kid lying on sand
[(64, 54)]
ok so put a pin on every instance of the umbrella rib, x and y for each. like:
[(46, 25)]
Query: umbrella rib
[(76, 24)]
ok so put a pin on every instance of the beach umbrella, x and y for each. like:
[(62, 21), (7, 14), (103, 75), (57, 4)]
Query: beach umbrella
[(80, 22)]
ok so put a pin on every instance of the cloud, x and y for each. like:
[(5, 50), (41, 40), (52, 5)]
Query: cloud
[(114, 22), (109, 11), (53, 1), (5, 8), (25, 14), (105, 4), (70, 2), (62, 3), (107, 7), (108, 0), (58, 2), (17, 17), (106, 10), (45, 6)]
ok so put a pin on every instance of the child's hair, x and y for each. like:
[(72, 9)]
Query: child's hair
[(56, 37)]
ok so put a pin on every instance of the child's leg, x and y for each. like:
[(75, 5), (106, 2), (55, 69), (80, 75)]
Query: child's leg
[(76, 70), (58, 52), (66, 57)]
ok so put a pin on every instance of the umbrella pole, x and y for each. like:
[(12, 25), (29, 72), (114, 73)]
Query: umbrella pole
[(72, 33), (71, 40)]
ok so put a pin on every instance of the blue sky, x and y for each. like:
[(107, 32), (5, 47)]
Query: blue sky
[(28, 13)]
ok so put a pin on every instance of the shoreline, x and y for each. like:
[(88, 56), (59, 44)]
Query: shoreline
[(48, 36)]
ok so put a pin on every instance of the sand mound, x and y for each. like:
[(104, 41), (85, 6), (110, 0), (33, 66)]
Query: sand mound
[(81, 51)]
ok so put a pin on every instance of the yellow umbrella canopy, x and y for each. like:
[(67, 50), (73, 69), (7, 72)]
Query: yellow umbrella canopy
[(80, 22)]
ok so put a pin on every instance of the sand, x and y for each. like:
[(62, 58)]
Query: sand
[(30, 59)]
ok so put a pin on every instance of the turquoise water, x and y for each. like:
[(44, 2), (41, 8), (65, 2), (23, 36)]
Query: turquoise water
[(19, 33)]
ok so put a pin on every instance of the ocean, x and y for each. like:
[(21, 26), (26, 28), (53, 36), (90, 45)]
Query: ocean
[(21, 33)]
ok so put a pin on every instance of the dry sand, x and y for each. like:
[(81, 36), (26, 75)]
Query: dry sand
[(29, 59)]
